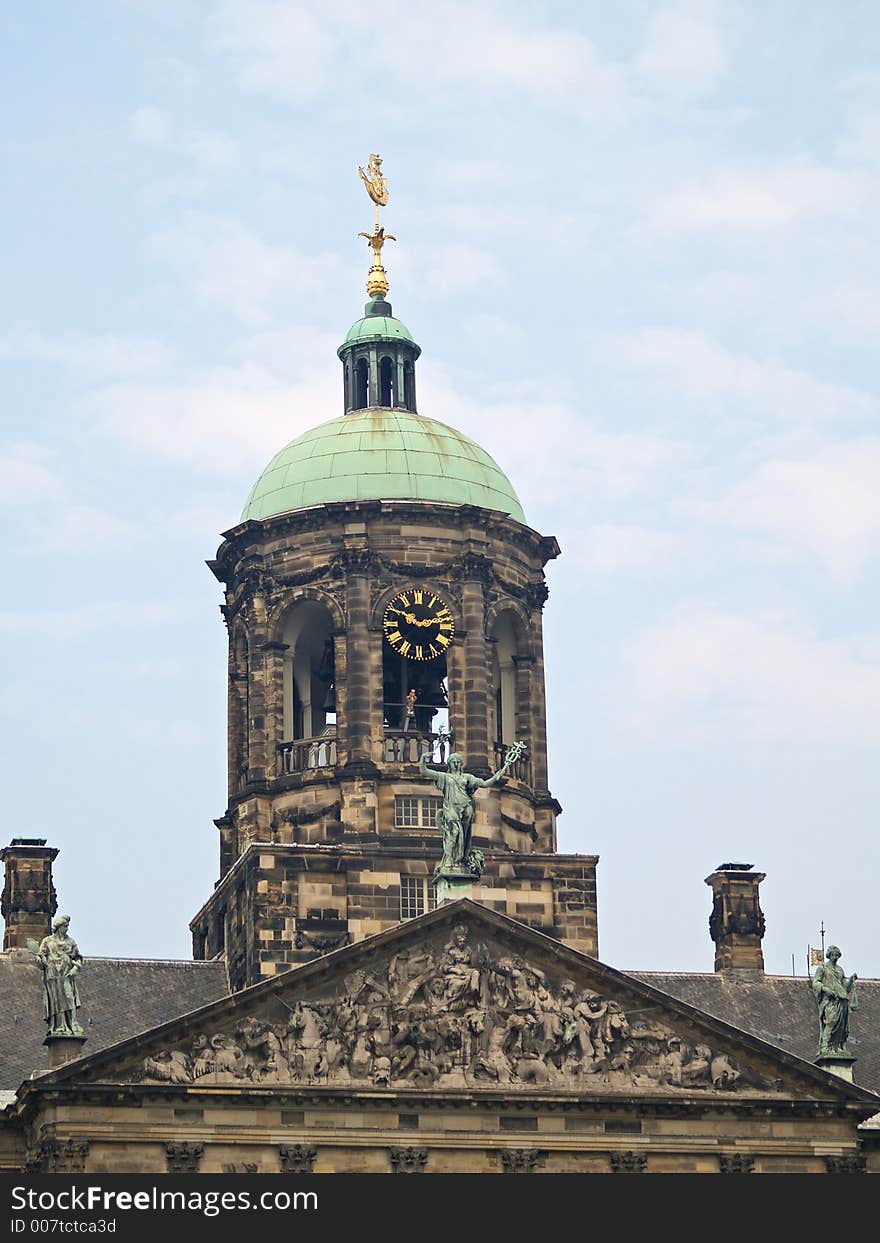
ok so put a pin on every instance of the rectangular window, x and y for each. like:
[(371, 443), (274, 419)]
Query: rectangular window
[(416, 813), (416, 896)]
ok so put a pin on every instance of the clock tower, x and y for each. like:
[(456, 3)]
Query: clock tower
[(384, 597)]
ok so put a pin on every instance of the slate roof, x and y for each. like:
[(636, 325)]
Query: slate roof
[(121, 1062), (779, 1009), (120, 996)]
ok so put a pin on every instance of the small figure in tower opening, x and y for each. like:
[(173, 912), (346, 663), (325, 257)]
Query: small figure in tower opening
[(409, 716)]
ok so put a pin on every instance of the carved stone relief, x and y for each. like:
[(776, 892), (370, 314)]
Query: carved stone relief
[(408, 1160), (297, 1158), (458, 1012), (736, 1163), (521, 1160), (184, 1158), (628, 1162)]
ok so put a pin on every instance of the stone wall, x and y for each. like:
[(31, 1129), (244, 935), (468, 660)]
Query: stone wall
[(280, 906)]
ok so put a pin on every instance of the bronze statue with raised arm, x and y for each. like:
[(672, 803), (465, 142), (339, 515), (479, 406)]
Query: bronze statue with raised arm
[(456, 816)]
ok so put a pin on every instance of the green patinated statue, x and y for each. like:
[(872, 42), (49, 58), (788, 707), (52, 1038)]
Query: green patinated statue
[(60, 960), (456, 816), (835, 995)]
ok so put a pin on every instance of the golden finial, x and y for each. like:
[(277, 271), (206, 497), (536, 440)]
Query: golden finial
[(377, 188)]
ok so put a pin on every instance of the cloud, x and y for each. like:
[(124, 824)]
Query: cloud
[(860, 143), (682, 48), (151, 127), (757, 200), (826, 505), (85, 527), (848, 312), (99, 355), (767, 676), (299, 50), (74, 623), (221, 421), (236, 270), (25, 476), (701, 369), (614, 548), (561, 461)]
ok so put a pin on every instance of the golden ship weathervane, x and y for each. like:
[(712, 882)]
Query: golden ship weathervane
[(377, 188)]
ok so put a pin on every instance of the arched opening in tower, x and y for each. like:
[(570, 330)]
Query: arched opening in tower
[(309, 698), (386, 382), (362, 384), (409, 386), (415, 695), (507, 643)]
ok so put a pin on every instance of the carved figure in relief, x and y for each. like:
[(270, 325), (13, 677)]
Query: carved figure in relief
[(461, 977), (453, 1013)]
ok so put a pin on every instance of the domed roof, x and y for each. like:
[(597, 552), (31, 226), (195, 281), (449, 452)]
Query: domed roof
[(381, 455), (369, 326)]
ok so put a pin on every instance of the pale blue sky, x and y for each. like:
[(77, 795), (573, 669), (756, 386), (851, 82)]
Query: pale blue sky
[(638, 246)]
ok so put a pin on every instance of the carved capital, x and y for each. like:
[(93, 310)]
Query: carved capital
[(521, 1160), (356, 561), (849, 1163), (408, 1160), (628, 1163), (473, 567), (184, 1158), (537, 594), (736, 1163), (55, 1156), (297, 1158)]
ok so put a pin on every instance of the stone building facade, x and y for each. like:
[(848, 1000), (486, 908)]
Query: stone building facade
[(384, 602)]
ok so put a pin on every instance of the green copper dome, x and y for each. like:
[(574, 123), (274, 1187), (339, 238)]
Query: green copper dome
[(381, 455), (369, 326)]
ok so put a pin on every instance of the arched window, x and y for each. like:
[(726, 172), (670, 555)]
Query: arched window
[(309, 674), (409, 386), (362, 384), (386, 382), (505, 648)]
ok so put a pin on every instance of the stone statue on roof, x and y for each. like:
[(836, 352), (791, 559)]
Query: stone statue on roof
[(60, 961), (835, 995)]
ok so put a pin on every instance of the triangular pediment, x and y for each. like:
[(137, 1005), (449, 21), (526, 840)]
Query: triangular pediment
[(461, 999)]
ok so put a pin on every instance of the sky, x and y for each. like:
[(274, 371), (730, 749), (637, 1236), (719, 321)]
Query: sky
[(638, 244)]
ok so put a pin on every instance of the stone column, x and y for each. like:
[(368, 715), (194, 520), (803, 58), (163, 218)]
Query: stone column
[(398, 381), (736, 924), (538, 702), (28, 902), (373, 395)]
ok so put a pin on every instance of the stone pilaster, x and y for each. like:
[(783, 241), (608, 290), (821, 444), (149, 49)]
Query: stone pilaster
[(356, 725), (475, 687)]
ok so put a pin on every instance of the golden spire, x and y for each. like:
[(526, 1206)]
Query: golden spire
[(377, 188)]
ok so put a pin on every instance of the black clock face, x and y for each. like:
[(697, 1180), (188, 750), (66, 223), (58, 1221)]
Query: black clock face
[(418, 624)]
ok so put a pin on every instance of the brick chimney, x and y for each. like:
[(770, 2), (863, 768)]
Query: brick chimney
[(736, 924), (28, 902)]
